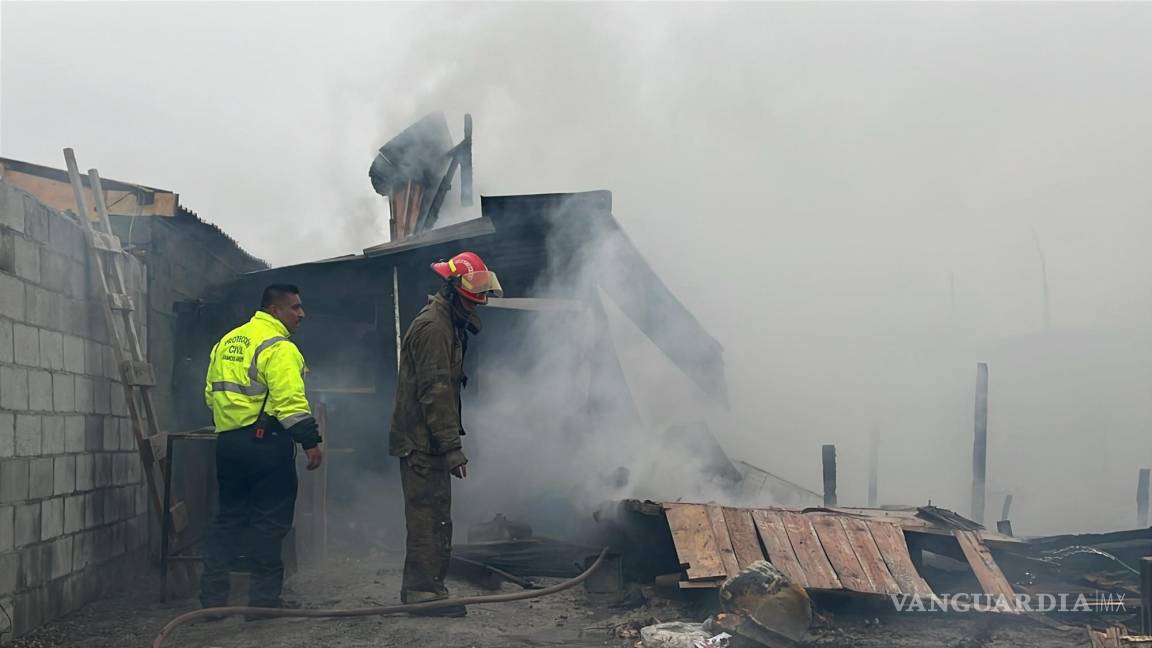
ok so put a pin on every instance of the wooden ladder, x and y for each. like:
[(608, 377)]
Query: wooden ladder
[(135, 371)]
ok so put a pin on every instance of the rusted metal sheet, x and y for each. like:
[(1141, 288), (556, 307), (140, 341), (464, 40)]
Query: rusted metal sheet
[(819, 549), (983, 565)]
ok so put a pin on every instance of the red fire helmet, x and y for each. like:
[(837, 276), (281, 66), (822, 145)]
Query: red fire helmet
[(473, 280)]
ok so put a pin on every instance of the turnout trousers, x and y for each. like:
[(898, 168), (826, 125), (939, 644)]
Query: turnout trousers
[(257, 500), (428, 516)]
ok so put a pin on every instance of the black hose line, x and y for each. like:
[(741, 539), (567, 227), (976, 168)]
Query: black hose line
[(375, 611)]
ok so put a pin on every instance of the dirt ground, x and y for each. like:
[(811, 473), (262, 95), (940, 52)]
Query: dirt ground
[(569, 619)]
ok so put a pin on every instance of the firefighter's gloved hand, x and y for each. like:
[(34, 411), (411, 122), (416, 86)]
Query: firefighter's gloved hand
[(457, 464), (306, 432)]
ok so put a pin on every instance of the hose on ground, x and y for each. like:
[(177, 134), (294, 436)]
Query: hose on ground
[(375, 611)]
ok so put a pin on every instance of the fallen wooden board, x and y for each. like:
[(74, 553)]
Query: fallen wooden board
[(809, 552), (868, 553), (983, 565), (723, 540), (742, 530), (770, 526), (695, 544), (839, 551), (889, 539)]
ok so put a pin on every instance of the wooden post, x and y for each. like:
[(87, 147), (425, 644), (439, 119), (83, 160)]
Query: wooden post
[(829, 457), (980, 444), (873, 467), (1145, 595), (1142, 499)]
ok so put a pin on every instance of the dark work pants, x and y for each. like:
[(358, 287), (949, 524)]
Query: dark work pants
[(428, 514), (257, 483)]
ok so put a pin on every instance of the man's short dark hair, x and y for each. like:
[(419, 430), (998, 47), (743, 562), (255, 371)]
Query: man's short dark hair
[(276, 292)]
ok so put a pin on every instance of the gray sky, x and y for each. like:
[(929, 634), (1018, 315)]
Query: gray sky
[(807, 177)]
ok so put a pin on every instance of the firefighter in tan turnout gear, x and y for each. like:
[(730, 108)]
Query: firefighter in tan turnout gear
[(426, 427), (255, 388)]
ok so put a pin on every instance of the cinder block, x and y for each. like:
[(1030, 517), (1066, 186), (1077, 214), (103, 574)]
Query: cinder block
[(111, 364), (27, 259), (51, 518), (7, 530), (74, 434), (39, 390), (13, 480), (26, 340), (85, 472), (93, 509), (6, 341), (63, 392), (54, 269), (7, 434), (9, 574), (73, 354), (111, 433), (93, 358), (61, 562), (41, 478), (127, 436), (12, 297), (103, 470), (36, 215), (51, 350), (100, 395), (83, 550), (13, 388), (29, 435), (43, 306), (93, 433), (84, 398), (11, 209), (53, 435), (74, 512), (117, 404), (27, 524), (33, 566), (65, 475)]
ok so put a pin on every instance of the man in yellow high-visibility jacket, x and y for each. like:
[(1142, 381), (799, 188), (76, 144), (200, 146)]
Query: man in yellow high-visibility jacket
[(255, 388)]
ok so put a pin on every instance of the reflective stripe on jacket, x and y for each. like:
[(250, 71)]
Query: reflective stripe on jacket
[(253, 362)]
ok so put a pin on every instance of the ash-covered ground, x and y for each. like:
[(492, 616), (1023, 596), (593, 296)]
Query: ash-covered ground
[(133, 618)]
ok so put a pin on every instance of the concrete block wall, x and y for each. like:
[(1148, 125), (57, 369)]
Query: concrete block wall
[(73, 507)]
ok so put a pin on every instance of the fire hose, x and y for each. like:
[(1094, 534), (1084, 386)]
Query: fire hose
[(375, 611)]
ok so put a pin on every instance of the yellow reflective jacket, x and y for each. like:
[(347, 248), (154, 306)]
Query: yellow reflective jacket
[(252, 362)]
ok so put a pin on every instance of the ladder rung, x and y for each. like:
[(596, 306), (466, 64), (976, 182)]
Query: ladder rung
[(121, 302), (106, 242), (138, 374), (179, 517), (159, 443)]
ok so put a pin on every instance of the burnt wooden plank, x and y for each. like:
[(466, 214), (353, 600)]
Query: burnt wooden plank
[(840, 553), (742, 530), (983, 565), (868, 553), (890, 541), (695, 544), (770, 526), (723, 539), (810, 552)]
